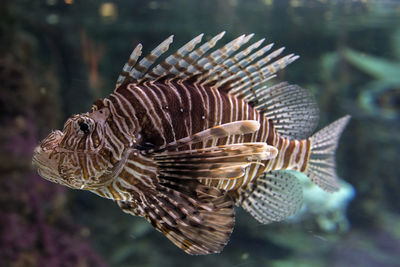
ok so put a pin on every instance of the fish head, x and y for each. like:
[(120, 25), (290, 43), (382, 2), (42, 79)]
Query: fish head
[(78, 156)]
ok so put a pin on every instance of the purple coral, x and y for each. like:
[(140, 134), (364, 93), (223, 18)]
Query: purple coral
[(35, 228)]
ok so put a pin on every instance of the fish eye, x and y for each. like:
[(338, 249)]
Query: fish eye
[(84, 127)]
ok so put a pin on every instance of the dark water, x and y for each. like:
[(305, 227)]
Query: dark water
[(56, 57)]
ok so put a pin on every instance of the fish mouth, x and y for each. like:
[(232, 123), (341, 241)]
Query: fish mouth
[(46, 148), (44, 159), (47, 159)]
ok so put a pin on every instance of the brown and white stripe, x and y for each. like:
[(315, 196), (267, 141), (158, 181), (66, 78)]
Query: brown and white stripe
[(181, 142), (186, 115)]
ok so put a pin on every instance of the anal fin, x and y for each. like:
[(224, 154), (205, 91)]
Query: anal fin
[(273, 197)]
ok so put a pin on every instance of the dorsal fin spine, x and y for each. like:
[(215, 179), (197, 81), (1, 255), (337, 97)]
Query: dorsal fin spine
[(194, 56), (219, 53), (172, 60), (266, 73), (234, 61), (251, 94), (233, 64), (262, 75), (217, 62), (136, 53), (246, 61), (262, 97), (231, 68), (140, 69), (252, 69), (245, 71)]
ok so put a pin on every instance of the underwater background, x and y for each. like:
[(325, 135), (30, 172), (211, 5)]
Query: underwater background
[(58, 56)]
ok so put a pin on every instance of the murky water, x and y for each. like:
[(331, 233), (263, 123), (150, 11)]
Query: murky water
[(57, 57)]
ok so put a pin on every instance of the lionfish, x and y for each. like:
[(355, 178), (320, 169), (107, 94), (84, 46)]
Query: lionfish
[(183, 142)]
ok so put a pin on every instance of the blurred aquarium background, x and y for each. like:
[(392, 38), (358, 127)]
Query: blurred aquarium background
[(58, 56)]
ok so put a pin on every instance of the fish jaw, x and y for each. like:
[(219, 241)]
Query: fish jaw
[(46, 159), (58, 165)]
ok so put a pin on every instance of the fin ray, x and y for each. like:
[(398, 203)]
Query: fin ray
[(188, 66), (143, 65), (273, 197), (230, 67), (219, 131), (321, 168), (292, 109), (169, 65), (196, 218), (220, 162), (136, 53), (234, 68)]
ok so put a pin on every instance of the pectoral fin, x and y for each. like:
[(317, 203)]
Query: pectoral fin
[(196, 218), (220, 131), (219, 162)]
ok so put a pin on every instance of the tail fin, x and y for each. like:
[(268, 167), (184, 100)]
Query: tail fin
[(321, 165)]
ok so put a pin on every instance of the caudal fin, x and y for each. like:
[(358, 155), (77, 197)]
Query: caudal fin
[(321, 166)]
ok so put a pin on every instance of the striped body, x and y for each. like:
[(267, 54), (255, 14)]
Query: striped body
[(181, 142), (160, 113)]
